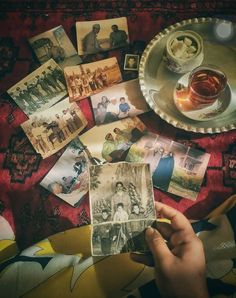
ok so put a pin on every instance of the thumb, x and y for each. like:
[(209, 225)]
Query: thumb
[(157, 245)]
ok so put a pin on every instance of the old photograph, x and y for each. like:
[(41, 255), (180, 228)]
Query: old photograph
[(121, 194), (51, 130), (41, 89), (55, 44), (87, 79), (112, 142), (118, 102), (101, 35), (68, 178), (131, 62), (175, 168)]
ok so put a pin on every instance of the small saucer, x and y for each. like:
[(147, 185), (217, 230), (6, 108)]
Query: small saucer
[(185, 106)]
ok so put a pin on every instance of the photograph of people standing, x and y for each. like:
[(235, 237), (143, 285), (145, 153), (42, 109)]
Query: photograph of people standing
[(101, 35), (125, 191)]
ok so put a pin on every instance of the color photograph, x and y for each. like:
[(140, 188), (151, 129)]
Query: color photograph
[(55, 44), (112, 142), (87, 79), (101, 35), (175, 168), (117, 102), (41, 89), (121, 202), (68, 178), (51, 130)]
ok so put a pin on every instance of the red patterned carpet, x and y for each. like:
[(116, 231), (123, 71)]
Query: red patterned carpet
[(33, 212)]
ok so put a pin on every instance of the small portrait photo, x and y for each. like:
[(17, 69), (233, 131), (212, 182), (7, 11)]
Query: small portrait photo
[(118, 102), (113, 140), (121, 194), (51, 130), (41, 89), (131, 62), (68, 178), (55, 44), (87, 79), (101, 35)]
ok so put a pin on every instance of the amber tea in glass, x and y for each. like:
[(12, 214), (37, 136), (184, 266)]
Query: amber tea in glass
[(206, 83)]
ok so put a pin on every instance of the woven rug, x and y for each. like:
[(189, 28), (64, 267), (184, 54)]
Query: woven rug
[(34, 213)]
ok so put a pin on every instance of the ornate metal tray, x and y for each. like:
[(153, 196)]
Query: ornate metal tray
[(158, 83)]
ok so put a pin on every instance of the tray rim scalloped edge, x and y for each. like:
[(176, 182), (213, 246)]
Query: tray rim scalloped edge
[(158, 111)]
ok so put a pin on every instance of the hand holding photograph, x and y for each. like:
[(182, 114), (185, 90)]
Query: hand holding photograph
[(101, 35), (55, 44), (122, 206), (87, 79), (68, 178), (117, 102), (41, 89), (51, 130)]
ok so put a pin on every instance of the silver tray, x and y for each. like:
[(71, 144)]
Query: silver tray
[(158, 83)]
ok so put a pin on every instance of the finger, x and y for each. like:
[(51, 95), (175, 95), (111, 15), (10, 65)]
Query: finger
[(165, 229), (178, 220), (181, 237), (157, 245), (143, 259)]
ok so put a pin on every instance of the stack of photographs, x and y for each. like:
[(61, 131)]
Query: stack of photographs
[(175, 168), (122, 207)]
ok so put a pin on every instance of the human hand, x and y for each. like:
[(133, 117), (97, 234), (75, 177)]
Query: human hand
[(179, 262)]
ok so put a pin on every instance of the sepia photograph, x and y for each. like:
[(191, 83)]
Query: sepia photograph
[(101, 35), (112, 142), (175, 168), (51, 130), (55, 44), (121, 195), (131, 62), (68, 178), (87, 79), (41, 89), (119, 101)]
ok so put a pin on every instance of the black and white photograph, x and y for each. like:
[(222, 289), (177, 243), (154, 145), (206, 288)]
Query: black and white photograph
[(121, 195), (101, 35), (41, 89), (119, 101), (51, 130), (55, 44), (68, 178), (87, 79), (131, 62)]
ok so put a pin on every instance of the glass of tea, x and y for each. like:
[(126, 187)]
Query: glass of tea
[(206, 84)]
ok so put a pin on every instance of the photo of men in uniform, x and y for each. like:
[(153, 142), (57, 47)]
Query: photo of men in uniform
[(68, 178), (55, 44), (118, 102), (87, 79), (51, 130), (41, 89), (121, 195), (101, 35)]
